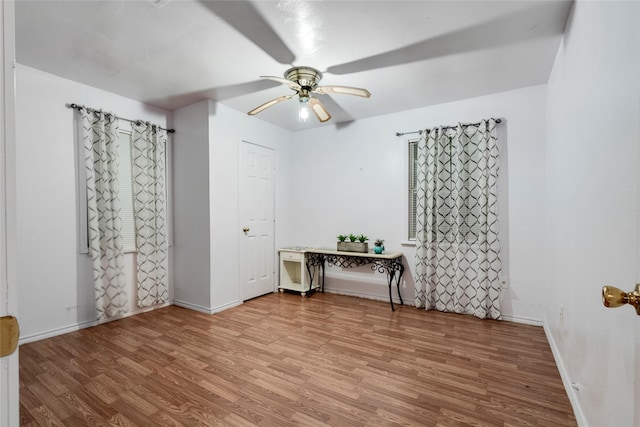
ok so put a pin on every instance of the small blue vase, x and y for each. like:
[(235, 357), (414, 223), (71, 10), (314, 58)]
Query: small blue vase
[(378, 249)]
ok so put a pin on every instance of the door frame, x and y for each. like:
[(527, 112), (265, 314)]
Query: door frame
[(9, 382), (636, 373), (241, 236)]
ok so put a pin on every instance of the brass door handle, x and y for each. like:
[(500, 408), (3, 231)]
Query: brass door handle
[(614, 297), (9, 334), (245, 229)]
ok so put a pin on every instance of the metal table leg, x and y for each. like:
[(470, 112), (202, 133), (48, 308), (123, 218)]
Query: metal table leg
[(392, 267)]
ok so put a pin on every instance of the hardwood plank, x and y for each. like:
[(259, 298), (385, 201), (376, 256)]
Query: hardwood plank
[(44, 417), (281, 360)]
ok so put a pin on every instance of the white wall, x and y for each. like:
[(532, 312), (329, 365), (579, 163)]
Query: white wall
[(191, 225), (56, 282), (592, 207), (206, 169), (227, 129), (352, 178)]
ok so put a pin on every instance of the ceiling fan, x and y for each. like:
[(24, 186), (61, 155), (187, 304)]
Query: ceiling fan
[(304, 81)]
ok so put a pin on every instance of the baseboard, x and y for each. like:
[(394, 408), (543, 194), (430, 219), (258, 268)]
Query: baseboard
[(566, 381), (207, 310), (226, 306), (82, 325), (378, 297), (523, 320), (366, 295), (87, 324), (194, 307)]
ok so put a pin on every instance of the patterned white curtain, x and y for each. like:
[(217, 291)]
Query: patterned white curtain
[(457, 248), (98, 131), (149, 189)]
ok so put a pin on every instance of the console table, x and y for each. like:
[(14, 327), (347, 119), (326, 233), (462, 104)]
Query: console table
[(389, 263)]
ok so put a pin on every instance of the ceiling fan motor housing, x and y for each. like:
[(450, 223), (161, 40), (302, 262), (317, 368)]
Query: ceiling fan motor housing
[(307, 77)]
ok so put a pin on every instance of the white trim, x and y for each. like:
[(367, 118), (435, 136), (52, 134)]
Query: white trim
[(9, 365), (168, 176), (566, 380), (396, 300), (194, 307), (76, 327), (406, 141), (408, 242), (226, 306), (522, 320), (207, 310)]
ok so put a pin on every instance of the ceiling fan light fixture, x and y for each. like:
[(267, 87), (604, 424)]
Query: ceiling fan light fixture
[(303, 102), (303, 111), (303, 115)]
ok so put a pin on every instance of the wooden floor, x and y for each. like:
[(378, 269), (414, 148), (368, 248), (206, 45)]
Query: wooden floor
[(283, 360)]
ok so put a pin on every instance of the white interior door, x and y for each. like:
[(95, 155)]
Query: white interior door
[(257, 214), (9, 385)]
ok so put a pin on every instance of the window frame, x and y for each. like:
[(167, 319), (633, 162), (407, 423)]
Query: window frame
[(83, 232), (411, 189), (128, 224), (468, 234)]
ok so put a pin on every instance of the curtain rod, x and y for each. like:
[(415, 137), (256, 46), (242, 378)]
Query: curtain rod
[(80, 107), (443, 127)]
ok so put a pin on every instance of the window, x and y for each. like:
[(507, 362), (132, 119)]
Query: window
[(125, 182), (413, 189), (458, 204)]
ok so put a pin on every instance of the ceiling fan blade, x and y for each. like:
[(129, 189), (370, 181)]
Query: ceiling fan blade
[(526, 24), (245, 18), (318, 109), (292, 85), (338, 114), (231, 91), (268, 104), (219, 93), (345, 90)]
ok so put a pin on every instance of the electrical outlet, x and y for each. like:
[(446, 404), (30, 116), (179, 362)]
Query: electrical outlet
[(504, 282)]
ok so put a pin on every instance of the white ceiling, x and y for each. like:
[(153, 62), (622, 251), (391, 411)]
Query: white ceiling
[(408, 54)]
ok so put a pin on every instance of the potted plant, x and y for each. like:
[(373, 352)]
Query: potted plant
[(353, 243), (378, 246)]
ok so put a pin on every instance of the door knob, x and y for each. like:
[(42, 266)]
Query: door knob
[(9, 335), (245, 229), (614, 297)]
